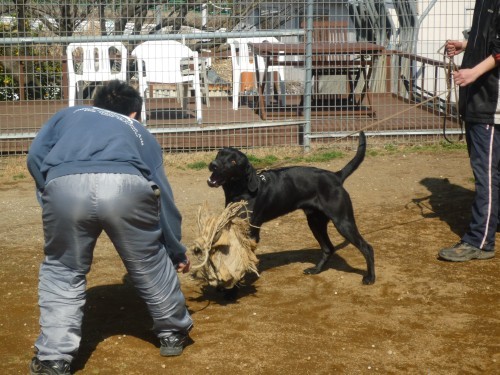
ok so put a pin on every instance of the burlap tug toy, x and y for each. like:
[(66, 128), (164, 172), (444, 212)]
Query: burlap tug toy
[(224, 247)]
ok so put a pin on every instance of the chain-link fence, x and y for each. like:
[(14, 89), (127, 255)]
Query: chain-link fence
[(237, 73)]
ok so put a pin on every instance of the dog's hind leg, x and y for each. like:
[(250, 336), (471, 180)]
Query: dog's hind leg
[(347, 228), (318, 223)]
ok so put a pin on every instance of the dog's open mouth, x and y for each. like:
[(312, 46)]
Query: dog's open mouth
[(212, 182)]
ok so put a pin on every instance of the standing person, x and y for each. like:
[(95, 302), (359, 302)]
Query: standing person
[(479, 103), (96, 169)]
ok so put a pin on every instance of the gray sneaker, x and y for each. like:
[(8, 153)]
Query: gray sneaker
[(173, 345), (60, 367), (462, 252)]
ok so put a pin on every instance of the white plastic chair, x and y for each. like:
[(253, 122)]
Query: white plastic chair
[(242, 59), (94, 62), (159, 61)]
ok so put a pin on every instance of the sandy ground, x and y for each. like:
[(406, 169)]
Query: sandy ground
[(422, 316)]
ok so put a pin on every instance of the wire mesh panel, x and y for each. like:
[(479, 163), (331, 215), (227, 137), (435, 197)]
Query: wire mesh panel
[(238, 73)]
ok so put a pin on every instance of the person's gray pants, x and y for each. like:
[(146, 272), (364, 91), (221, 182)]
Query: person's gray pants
[(76, 209)]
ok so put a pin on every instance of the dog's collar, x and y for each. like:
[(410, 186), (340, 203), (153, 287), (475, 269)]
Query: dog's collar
[(262, 177)]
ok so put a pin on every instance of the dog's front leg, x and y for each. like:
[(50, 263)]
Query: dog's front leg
[(255, 232), (318, 223), (318, 267)]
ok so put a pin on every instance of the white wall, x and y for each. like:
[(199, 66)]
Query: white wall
[(446, 20)]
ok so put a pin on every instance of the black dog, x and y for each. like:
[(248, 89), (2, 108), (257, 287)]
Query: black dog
[(276, 192)]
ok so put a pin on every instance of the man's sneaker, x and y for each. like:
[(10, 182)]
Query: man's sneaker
[(173, 344), (60, 367), (462, 252)]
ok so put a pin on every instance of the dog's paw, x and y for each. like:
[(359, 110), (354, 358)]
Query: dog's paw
[(312, 271), (368, 280)]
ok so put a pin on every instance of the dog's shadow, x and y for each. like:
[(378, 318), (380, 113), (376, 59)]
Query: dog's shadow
[(309, 257), (225, 297), (449, 202), (112, 310), (267, 261)]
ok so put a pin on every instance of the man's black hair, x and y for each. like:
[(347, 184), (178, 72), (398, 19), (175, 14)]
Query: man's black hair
[(120, 97)]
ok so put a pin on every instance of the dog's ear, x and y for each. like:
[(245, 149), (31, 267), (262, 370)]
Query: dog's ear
[(252, 178)]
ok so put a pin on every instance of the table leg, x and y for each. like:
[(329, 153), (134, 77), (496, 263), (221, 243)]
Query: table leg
[(367, 73), (261, 87), (353, 76), (204, 79)]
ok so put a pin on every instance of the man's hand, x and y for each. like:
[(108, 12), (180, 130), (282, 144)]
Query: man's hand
[(455, 47), (184, 267), (464, 77)]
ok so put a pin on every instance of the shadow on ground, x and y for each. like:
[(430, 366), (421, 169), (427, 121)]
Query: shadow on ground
[(449, 202), (275, 260), (112, 310)]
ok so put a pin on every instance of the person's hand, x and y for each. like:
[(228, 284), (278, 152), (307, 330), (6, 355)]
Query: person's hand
[(464, 77), (184, 267), (454, 47)]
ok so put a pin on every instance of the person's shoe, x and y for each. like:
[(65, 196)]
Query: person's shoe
[(60, 367), (173, 345), (462, 252)]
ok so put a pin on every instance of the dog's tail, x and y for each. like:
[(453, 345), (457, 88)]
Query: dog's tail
[(356, 160)]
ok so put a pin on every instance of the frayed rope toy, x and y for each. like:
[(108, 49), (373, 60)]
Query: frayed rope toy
[(224, 246)]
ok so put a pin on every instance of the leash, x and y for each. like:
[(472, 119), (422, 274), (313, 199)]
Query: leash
[(376, 123), (259, 171), (448, 67)]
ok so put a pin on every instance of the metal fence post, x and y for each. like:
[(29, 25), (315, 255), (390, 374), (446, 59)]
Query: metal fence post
[(308, 83)]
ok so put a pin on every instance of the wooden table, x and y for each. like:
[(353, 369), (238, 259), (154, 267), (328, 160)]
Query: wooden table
[(325, 56)]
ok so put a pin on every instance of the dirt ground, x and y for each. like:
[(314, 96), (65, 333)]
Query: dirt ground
[(422, 315)]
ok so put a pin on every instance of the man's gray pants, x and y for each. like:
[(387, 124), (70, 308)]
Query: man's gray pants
[(76, 209)]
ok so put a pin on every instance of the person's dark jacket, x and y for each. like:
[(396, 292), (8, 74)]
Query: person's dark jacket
[(479, 102)]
